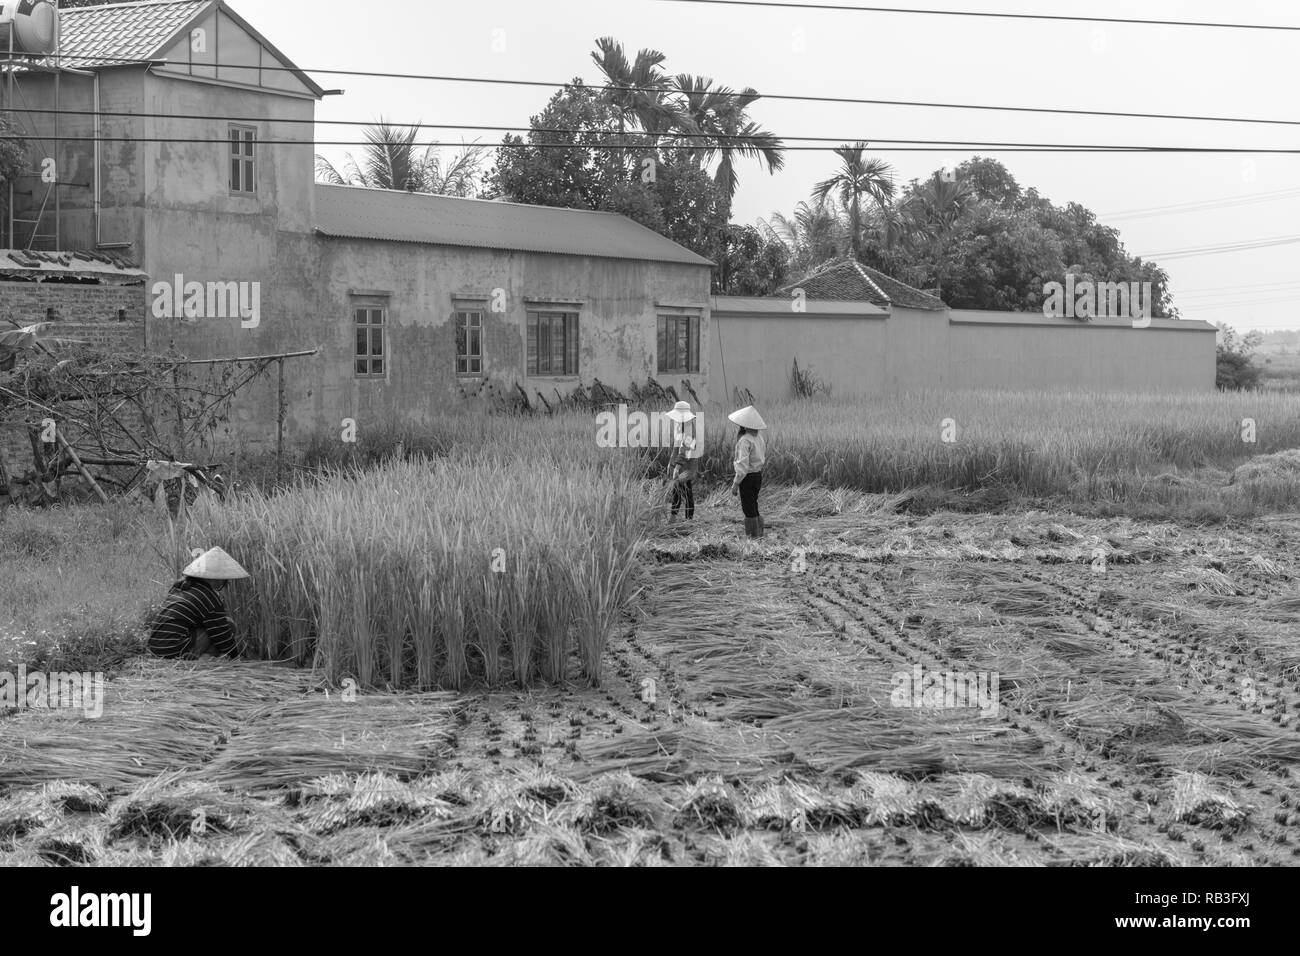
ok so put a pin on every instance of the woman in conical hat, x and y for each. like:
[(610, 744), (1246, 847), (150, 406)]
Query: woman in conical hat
[(684, 465), (193, 620), (751, 453)]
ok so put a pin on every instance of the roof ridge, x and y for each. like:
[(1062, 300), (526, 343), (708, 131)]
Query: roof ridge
[(78, 11), (872, 282), (495, 202)]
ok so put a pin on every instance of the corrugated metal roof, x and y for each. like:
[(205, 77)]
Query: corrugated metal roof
[(127, 31), (355, 212)]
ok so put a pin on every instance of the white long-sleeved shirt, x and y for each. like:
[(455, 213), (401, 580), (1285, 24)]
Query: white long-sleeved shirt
[(751, 453)]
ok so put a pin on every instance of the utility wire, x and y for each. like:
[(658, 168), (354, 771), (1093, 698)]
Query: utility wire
[(628, 147), (1203, 205), (1222, 249), (687, 140), (108, 61), (999, 16), (632, 147)]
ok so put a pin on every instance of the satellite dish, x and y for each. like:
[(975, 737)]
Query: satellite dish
[(33, 25)]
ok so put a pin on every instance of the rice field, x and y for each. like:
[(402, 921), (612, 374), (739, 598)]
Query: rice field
[(491, 648), (1074, 447)]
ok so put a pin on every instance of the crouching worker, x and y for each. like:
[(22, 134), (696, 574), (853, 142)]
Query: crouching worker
[(684, 465), (193, 620)]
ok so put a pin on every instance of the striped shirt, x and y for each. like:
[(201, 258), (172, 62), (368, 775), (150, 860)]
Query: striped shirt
[(751, 453), (191, 606)]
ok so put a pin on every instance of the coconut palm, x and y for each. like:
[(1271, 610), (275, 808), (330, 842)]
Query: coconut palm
[(938, 204), (816, 233), (637, 88), (857, 176), (392, 160), (932, 212), (717, 120)]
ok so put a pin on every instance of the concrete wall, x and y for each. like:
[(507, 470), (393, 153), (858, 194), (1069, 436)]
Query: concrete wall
[(1030, 351), (869, 354), (616, 301), (757, 351)]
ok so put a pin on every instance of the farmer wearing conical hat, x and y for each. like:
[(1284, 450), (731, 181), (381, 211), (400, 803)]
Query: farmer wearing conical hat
[(751, 453), (193, 621), (684, 465)]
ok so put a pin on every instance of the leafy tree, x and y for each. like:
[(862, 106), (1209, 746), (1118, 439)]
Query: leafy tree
[(751, 262), (392, 160), (1235, 369), (13, 155), (643, 145), (564, 159)]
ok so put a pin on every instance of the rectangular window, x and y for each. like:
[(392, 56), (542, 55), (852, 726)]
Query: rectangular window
[(370, 323), (679, 344), (552, 343), (469, 342), (243, 178)]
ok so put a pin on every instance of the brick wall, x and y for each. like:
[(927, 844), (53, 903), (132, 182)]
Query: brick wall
[(85, 312)]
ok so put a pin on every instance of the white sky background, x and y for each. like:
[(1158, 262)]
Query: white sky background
[(1125, 68)]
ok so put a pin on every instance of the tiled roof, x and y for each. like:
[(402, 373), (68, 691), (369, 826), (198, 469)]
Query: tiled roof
[(355, 212), (124, 31), (848, 280), (116, 34)]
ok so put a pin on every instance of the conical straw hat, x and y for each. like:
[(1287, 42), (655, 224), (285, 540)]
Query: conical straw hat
[(748, 417), (215, 565), (681, 412)]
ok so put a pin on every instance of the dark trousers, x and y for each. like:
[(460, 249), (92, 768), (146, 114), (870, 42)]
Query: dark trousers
[(684, 491), (749, 486)]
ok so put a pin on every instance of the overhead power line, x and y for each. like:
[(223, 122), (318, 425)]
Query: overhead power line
[(1222, 248), (946, 147), (682, 140), (1203, 205), (801, 98), (999, 16), (631, 147)]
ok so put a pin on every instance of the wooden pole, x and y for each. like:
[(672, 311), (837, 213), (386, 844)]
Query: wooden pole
[(4, 479), (279, 420), (85, 472)]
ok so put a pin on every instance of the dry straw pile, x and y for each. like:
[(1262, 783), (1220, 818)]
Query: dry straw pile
[(494, 562)]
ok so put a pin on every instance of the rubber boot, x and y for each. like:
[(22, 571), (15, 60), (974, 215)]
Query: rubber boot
[(759, 521), (751, 527)]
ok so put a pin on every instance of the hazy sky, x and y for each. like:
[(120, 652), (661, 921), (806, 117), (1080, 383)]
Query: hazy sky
[(1113, 67)]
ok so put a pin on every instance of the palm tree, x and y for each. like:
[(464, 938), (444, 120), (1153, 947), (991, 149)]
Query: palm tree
[(816, 233), (932, 212), (637, 89), (392, 160), (858, 176), (718, 120)]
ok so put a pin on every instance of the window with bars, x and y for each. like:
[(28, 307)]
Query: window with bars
[(469, 342), (370, 324), (679, 343), (552, 343), (243, 178)]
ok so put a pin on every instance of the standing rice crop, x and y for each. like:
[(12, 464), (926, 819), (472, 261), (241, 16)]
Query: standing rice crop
[(432, 572)]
